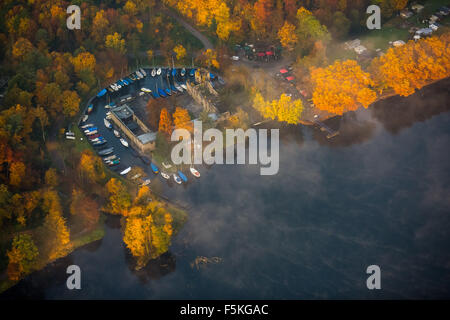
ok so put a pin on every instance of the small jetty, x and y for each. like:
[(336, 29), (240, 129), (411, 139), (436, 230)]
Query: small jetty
[(323, 127)]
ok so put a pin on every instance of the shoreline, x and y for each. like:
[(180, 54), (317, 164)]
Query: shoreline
[(309, 122)]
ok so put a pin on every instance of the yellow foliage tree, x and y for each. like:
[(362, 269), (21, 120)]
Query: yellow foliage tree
[(180, 51), (115, 42), (287, 35)]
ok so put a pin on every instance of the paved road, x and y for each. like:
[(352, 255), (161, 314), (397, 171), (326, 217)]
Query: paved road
[(203, 39)]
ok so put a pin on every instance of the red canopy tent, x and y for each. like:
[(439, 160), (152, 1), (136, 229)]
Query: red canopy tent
[(283, 71), (260, 54), (290, 78)]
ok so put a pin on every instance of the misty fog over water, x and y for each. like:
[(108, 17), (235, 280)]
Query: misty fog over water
[(379, 193)]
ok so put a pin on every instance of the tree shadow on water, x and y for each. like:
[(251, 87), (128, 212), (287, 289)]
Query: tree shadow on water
[(155, 268)]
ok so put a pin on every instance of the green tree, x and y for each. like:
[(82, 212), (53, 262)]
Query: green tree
[(22, 256)]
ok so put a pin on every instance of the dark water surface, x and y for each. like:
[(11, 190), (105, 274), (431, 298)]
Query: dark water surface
[(377, 194)]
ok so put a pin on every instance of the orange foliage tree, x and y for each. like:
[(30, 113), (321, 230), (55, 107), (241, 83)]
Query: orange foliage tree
[(342, 86), (181, 118), (165, 122), (407, 68)]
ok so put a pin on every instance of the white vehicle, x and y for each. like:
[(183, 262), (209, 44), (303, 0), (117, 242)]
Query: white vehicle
[(124, 142), (235, 58), (124, 172)]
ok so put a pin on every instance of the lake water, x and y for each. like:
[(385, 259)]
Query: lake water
[(379, 193)]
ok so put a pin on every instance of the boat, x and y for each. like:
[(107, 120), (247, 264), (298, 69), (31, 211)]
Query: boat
[(183, 72), (172, 87), (183, 86), (70, 137), (85, 117), (155, 94), (124, 142), (105, 152), (140, 75), (100, 142), (194, 172), (182, 176), (91, 132), (153, 72), (192, 72), (114, 162), (124, 172), (177, 178), (146, 90), (155, 169), (158, 72), (143, 72), (165, 175), (90, 108), (162, 93), (168, 91), (145, 181), (110, 158), (98, 139), (107, 123), (178, 88), (116, 133), (167, 166), (132, 77), (145, 160)]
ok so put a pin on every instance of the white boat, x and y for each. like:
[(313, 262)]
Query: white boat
[(158, 72), (107, 123), (183, 86), (177, 178), (91, 132), (70, 137), (116, 133), (85, 117), (194, 172), (153, 72), (140, 75), (124, 172), (145, 182), (165, 175), (87, 126), (178, 88), (124, 142), (143, 72), (146, 90)]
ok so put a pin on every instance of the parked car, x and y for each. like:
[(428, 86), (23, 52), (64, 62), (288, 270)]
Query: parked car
[(235, 58)]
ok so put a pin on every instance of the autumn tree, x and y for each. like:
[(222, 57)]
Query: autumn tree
[(309, 30), (84, 61), (181, 118), (119, 199), (342, 86), (58, 239), (115, 41), (16, 173), (180, 51), (283, 109), (51, 178), (91, 167), (165, 122), (21, 256), (407, 68), (70, 103), (287, 35), (85, 209)]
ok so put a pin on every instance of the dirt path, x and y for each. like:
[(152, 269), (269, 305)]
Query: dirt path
[(203, 39)]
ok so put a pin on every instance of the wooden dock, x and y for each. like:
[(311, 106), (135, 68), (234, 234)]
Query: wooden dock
[(323, 127)]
